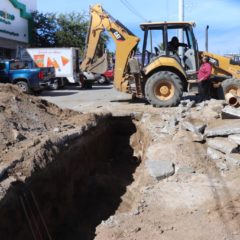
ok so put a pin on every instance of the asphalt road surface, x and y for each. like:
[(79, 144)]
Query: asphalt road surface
[(98, 99)]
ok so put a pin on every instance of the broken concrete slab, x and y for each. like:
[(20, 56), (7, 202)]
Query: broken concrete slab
[(209, 114), (198, 137), (230, 112), (221, 127), (222, 166), (223, 145), (160, 169), (194, 125), (234, 138), (17, 136), (216, 105), (214, 154), (233, 158), (186, 170), (188, 103)]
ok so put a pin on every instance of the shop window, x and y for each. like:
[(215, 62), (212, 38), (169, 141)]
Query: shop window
[(6, 53)]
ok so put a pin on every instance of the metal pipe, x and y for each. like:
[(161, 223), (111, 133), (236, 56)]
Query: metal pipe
[(206, 39), (181, 19), (232, 100)]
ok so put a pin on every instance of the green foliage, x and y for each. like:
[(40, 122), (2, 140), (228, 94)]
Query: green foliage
[(72, 30), (63, 30), (44, 29)]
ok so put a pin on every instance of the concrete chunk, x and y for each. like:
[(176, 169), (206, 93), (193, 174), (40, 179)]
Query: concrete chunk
[(160, 169), (222, 144), (230, 113), (214, 154), (194, 125), (233, 158), (223, 128), (234, 138)]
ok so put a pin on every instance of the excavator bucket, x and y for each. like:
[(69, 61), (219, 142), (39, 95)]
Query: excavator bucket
[(100, 66)]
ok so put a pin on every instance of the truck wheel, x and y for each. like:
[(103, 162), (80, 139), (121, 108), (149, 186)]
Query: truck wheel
[(55, 85), (102, 79), (23, 86), (164, 89), (229, 86)]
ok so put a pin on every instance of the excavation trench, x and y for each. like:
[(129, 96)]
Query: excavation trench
[(75, 192)]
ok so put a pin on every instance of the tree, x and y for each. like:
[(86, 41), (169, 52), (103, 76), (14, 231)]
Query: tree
[(72, 30), (44, 28), (63, 30)]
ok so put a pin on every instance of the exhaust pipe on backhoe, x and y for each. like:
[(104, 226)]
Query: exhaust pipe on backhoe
[(206, 38)]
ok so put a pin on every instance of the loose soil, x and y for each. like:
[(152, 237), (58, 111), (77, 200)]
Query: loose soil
[(68, 175)]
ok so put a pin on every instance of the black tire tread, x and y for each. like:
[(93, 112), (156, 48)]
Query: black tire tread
[(225, 84), (164, 75)]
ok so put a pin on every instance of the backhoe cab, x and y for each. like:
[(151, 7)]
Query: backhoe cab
[(161, 72), (166, 63)]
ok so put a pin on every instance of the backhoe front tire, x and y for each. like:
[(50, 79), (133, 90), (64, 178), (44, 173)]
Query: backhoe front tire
[(229, 86), (164, 89)]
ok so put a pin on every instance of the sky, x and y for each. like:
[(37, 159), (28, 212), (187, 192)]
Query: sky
[(223, 17)]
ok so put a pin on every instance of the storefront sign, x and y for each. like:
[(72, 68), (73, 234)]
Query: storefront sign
[(9, 33), (5, 21), (7, 16), (15, 16)]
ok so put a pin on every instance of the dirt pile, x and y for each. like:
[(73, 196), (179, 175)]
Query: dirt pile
[(60, 168), (23, 115), (181, 190), (27, 122), (170, 173)]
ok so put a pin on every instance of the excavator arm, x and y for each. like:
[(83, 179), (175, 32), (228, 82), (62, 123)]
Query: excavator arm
[(126, 43)]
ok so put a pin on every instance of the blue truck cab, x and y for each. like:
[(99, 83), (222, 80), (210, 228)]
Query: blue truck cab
[(26, 75)]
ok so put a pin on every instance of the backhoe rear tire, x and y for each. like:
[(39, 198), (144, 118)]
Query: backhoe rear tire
[(229, 86), (164, 89)]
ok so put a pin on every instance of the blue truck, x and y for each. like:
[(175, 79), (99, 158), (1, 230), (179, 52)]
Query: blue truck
[(26, 75)]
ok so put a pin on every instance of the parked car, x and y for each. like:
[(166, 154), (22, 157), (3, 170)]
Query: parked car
[(87, 79), (106, 77), (24, 73)]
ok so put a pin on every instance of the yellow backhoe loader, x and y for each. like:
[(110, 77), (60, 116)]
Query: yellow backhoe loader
[(160, 74)]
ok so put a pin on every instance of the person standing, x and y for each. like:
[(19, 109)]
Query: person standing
[(204, 83)]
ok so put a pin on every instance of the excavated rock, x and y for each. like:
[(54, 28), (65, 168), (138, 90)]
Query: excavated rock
[(214, 154), (233, 158), (230, 112), (160, 169), (216, 105), (223, 145), (221, 127), (194, 125), (235, 138)]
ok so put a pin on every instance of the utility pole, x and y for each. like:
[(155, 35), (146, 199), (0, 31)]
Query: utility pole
[(181, 19)]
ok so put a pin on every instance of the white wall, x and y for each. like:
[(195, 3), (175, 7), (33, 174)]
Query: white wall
[(18, 26)]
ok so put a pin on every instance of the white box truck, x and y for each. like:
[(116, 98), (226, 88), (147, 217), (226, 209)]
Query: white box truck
[(64, 60)]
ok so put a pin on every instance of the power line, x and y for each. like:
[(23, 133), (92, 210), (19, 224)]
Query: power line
[(131, 8)]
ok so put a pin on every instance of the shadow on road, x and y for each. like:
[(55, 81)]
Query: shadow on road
[(57, 93), (95, 87), (100, 88), (131, 101)]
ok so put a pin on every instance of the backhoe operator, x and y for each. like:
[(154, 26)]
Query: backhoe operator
[(174, 44)]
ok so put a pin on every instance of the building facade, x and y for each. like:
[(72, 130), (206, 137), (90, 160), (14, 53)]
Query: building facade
[(15, 25)]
